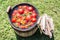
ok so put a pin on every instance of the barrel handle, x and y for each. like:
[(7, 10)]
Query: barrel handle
[(8, 9)]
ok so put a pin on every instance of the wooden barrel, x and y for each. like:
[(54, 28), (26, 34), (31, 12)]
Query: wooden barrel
[(27, 33), (21, 32)]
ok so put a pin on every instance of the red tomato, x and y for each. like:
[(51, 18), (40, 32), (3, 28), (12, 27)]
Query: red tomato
[(14, 12), (26, 11), (30, 8), (18, 20), (28, 18), (33, 11), (25, 6), (13, 20), (26, 26), (31, 23), (23, 27), (34, 15), (33, 19), (18, 15), (18, 24), (19, 7), (25, 22), (21, 11)]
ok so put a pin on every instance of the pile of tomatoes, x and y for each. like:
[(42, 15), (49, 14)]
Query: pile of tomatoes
[(24, 17)]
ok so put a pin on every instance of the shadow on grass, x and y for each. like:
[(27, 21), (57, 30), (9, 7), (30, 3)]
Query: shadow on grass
[(36, 36)]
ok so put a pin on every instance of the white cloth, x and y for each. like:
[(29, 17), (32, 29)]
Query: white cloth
[(46, 25)]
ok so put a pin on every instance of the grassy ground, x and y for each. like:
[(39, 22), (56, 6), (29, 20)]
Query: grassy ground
[(51, 7)]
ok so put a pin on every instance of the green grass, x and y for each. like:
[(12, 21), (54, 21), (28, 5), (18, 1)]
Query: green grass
[(50, 7)]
